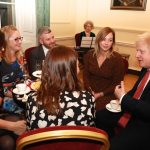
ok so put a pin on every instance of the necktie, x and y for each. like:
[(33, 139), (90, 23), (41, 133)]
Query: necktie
[(124, 119)]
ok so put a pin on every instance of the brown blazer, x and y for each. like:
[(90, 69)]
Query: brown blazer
[(104, 78)]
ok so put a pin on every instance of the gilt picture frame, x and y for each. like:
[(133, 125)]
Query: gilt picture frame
[(128, 4)]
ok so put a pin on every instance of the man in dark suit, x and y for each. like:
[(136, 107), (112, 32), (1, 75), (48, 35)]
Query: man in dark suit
[(37, 55), (135, 134)]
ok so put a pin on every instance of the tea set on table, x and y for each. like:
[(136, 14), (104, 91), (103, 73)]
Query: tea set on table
[(113, 106), (22, 90)]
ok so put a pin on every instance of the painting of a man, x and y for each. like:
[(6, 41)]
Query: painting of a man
[(135, 3)]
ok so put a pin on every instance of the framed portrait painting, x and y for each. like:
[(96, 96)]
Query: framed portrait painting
[(128, 4)]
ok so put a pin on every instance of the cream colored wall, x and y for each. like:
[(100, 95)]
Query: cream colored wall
[(62, 20), (68, 16), (26, 21)]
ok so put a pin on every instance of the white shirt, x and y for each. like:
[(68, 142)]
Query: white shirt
[(138, 85), (45, 49)]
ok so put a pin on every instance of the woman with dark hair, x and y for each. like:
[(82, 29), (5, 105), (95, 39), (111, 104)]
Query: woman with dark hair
[(60, 100), (103, 68)]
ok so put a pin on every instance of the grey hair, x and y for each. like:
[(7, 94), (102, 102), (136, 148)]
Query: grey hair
[(43, 30), (88, 22)]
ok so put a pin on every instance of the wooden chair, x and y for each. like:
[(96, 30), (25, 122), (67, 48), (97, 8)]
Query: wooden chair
[(78, 39), (126, 65), (77, 48), (64, 138), (27, 53), (125, 60), (81, 51)]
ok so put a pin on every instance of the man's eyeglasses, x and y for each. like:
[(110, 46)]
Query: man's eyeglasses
[(17, 39)]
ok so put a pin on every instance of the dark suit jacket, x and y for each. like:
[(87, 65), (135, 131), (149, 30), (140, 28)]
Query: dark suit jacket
[(137, 131), (136, 135), (36, 56), (140, 109)]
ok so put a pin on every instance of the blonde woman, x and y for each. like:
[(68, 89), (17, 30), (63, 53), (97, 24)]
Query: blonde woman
[(10, 71), (103, 68), (12, 127)]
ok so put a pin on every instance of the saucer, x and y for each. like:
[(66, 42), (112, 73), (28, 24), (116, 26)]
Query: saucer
[(22, 92), (108, 107), (37, 73)]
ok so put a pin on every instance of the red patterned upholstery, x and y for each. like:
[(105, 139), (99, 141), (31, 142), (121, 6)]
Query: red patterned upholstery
[(78, 39), (27, 53), (64, 138)]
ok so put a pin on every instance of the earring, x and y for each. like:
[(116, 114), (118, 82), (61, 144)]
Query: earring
[(3, 49)]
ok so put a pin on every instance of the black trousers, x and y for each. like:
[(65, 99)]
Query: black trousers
[(8, 138), (135, 136)]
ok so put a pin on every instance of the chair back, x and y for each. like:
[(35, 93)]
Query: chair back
[(78, 39), (64, 138), (27, 53), (126, 65)]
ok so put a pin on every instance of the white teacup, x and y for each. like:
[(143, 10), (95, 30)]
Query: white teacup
[(114, 104), (21, 87)]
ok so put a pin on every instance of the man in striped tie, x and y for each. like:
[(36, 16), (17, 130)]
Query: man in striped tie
[(134, 119)]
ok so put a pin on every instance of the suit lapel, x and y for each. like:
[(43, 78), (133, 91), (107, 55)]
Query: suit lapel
[(147, 88), (41, 53), (131, 93)]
